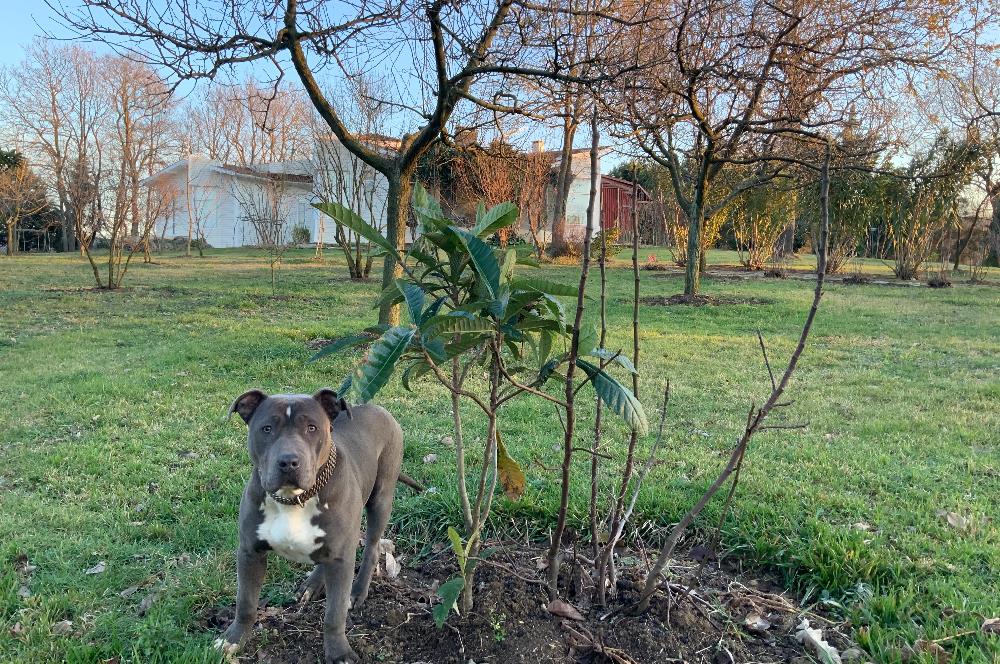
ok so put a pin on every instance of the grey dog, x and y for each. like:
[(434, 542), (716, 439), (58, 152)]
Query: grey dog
[(316, 464)]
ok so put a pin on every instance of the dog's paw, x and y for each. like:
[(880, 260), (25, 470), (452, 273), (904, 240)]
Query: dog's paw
[(227, 648), (347, 656), (357, 601), (313, 588)]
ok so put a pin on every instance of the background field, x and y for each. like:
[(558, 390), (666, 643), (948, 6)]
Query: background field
[(113, 445)]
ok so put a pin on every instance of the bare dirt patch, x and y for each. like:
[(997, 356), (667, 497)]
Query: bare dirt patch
[(724, 616), (700, 300), (321, 343)]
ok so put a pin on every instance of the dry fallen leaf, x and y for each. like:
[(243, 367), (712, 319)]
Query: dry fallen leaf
[(991, 626), (17, 629), (813, 640), (147, 602), (128, 592), (430, 458), (563, 609), (954, 519), (63, 627), (392, 566), (756, 623), (98, 568), (940, 654)]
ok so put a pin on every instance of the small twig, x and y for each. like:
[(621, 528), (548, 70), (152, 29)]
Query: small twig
[(593, 452), (783, 426), (767, 363), (509, 570)]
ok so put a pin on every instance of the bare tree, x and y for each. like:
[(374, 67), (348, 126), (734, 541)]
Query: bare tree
[(732, 82), (52, 101), (22, 195), (458, 52), (125, 146), (531, 197)]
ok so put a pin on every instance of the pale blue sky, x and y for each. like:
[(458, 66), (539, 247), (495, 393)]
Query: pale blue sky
[(20, 22), (23, 20)]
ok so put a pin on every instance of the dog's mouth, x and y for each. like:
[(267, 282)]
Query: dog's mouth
[(286, 485)]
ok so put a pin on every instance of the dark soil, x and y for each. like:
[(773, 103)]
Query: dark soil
[(856, 280), (939, 282), (689, 621), (700, 300)]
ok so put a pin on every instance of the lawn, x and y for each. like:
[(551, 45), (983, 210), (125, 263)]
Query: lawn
[(114, 449)]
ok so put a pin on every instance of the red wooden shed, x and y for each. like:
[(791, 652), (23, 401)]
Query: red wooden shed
[(616, 203)]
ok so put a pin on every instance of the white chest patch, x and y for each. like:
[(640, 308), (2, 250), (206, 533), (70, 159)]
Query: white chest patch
[(289, 529)]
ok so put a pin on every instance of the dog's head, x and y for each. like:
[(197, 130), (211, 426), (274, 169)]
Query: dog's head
[(288, 436)]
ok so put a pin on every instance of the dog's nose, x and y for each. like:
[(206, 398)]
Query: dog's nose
[(288, 462)]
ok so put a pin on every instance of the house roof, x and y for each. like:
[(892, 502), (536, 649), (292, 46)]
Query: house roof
[(619, 183), (279, 176), (289, 175)]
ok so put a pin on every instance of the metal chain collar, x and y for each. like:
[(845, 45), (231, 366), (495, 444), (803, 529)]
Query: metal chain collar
[(322, 477)]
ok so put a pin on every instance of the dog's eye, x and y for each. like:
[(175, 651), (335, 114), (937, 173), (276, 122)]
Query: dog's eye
[(266, 428), (311, 428)]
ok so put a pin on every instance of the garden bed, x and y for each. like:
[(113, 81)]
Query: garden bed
[(722, 617)]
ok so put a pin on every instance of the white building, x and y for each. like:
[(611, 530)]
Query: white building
[(231, 206), (234, 206)]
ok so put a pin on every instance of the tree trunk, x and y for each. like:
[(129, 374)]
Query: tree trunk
[(692, 268), (564, 178), (11, 239), (397, 211), (994, 230)]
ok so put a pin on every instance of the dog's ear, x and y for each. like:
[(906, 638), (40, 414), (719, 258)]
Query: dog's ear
[(331, 403), (246, 404)]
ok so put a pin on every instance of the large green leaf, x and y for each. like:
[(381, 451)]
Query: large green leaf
[(544, 286), (544, 347), (347, 217), (381, 360), (341, 344), (390, 295), (589, 339), (460, 549), (507, 268), (618, 398), (427, 209), (519, 301), (547, 370), (555, 307), (612, 356), (483, 258), (463, 345), (499, 216), (448, 592), (414, 295), (456, 324), (532, 322), (414, 372)]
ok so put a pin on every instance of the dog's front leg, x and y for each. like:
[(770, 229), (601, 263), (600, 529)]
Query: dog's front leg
[(338, 572), (250, 569)]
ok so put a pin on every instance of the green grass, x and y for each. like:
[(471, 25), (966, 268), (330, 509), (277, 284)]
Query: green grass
[(113, 445)]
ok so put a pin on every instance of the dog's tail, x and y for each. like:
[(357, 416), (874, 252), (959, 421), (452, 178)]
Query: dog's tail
[(412, 483)]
